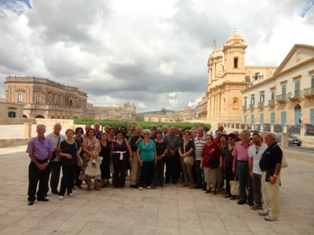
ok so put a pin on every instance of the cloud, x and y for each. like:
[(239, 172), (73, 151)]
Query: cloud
[(152, 54)]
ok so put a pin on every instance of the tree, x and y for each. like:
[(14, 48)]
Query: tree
[(163, 110)]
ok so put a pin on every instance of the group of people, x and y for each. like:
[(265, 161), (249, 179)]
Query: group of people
[(203, 161)]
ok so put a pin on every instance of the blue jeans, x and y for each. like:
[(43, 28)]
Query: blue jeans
[(244, 181)]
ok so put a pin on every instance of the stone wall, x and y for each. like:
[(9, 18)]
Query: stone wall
[(16, 121), (12, 142)]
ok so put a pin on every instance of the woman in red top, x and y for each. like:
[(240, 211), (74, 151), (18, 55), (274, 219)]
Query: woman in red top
[(211, 163)]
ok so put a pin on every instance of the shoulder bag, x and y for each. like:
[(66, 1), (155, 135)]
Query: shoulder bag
[(78, 157), (234, 186), (54, 154), (189, 160)]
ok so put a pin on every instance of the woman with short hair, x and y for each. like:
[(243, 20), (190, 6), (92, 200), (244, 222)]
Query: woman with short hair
[(69, 150), (105, 154), (211, 163), (161, 151), (91, 147), (79, 140), (147, 157), (228, 160)]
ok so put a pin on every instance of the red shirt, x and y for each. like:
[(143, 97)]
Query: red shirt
[(211, 151)]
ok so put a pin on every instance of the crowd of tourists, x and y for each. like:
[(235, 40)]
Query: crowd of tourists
[(155, 157)]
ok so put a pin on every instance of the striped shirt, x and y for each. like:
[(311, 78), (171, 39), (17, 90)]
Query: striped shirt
[(199, 145)]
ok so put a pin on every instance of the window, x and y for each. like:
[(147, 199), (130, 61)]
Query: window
[(252, 100), (272, 118), (262, 98), (252, 119), (244, 119), (272, 95), (20, 97), (283, 91), (235, 62), (283, 118), (56, 100), (38, 98), (245, 102), (50, 99), (71, 103), (312, 83), (297, 88), (12, 114), (261, 118), (256, 75), (61, 101)]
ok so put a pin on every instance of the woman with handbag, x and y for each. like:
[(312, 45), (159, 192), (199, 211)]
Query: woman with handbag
[(92, 161), (69, 150), (211, 163), (186, 151)]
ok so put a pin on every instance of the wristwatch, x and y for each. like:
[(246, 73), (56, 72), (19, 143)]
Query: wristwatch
[(48, 161)]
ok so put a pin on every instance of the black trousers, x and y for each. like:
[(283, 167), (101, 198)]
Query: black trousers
[(78, 182), (160, 171), (119, 173), (147, 172), (172, 168), (67, 181), (35, 175), (54, 175), (229, 176)]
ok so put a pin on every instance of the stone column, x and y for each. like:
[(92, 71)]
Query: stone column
[(284, 140), (27, 130)]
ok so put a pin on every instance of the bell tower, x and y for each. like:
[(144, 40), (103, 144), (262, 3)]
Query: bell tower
[(234, 57)]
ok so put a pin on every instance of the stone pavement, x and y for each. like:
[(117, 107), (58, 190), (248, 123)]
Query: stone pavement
[(168, 210)]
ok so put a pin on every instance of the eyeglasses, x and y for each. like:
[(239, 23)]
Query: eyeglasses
[(80, 131)]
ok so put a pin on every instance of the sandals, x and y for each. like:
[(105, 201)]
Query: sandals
[(227, 196), (214, 192), (233, 197)]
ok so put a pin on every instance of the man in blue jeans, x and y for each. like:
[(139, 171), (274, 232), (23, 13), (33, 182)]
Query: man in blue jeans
[(241, 166)]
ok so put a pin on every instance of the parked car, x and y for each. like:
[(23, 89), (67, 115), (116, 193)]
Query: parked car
[(292, 139)]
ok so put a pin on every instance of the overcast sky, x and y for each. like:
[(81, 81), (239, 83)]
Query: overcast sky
[(150, 53)]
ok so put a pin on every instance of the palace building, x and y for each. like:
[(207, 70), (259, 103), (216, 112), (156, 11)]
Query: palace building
[(43, 98)]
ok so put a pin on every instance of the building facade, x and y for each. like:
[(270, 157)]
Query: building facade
[(10, 109), (287, 97), (171, 116), (125, 113), (43, 98)]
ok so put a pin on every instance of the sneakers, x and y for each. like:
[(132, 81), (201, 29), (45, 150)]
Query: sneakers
[(148, 187), (270, 218), (257, 207), (263, 213), (60, 198), (140, 188), (70, 194)]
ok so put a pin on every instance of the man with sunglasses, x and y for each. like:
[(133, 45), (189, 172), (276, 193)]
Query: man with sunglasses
[(255, 154)]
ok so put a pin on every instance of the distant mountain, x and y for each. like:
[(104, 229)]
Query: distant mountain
[(151, 112)]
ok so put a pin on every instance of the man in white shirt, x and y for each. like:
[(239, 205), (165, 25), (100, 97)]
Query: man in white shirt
[(255, 154), (55, 164), (199, 142)]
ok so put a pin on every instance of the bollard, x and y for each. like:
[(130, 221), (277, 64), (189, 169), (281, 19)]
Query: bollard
[(27, 130), (284, 140)]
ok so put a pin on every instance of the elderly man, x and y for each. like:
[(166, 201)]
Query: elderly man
[(237, 135), (135, 165), (39, 150), (241, 166), (165, 131), (55, 165), (97, 130), (172, 142), (199, 142), (270, 165), (255, 154), (87, 127)]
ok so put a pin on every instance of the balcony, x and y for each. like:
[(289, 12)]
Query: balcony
[(244, 107), (281, 99), (309, 93), (271, 103), (295, 95), (251, 106), (260, 104)]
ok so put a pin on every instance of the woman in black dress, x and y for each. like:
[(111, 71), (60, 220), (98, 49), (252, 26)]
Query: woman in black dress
[(162, 151), (79, 140), (105, 153)]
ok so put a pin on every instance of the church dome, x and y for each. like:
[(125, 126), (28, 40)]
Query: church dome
[(235, 38)]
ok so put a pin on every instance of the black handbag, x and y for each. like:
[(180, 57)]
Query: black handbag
[(54, 154), (214, 162)]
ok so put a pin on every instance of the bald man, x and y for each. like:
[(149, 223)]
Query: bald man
[(55, 164), (270, 165)]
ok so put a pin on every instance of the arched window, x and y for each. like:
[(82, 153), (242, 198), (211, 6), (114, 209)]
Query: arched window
[(56, 99), (235, 62), (71, 103), (61, 101)]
